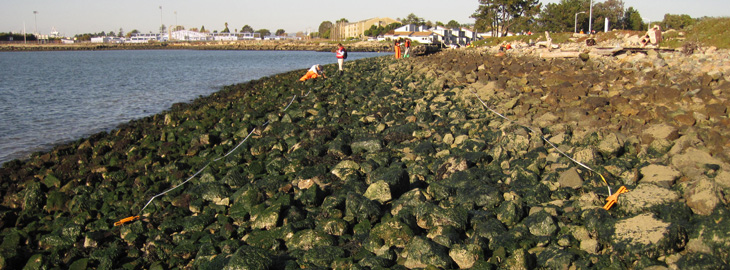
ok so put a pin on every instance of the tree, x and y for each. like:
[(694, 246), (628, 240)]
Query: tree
[(111, 34), (247, 29), (502, 15), (343, 20), (453, 24), (632, 20), (611, 9), (560, 17), (264, 32), (325, 29), (280, 32), (163, 28), (225, 30), (120, 33), (676, 21), (133, 32), (412, 19), (202, 29)]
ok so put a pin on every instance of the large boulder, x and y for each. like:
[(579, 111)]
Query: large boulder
[(422, 252), (659, 175), (645, 235), (645, 196)]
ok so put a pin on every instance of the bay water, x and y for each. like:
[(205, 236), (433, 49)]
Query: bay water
[(49, 98)]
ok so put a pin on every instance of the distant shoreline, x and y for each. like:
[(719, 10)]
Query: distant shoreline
[(256, 45)]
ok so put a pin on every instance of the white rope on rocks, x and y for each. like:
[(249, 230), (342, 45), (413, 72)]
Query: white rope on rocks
[(133, 218), (544, 139)]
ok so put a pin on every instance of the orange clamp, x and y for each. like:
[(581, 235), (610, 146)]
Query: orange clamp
[(614, 198), (126, 220)]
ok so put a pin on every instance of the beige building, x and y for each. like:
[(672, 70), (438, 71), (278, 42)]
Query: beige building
[(356, 29)]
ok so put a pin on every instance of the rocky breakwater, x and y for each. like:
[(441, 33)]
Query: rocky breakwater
[(395, 165)]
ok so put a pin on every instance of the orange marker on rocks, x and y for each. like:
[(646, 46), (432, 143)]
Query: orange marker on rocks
[(126, 220), (614, 198)]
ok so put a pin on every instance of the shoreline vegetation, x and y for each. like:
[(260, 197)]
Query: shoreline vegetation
[(396, 164)]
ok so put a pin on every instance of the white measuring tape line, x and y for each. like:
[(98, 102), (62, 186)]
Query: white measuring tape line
[(544, 139), (217, 159)]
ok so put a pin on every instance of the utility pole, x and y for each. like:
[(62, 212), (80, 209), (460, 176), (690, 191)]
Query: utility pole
[(161, 20), (35, 18), (590, 19)]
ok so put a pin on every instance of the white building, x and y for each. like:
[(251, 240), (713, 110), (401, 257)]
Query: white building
[(187, 35), (143, 38)]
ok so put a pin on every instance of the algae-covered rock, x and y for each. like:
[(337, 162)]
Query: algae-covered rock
[(248, 257), (466, 255), (519, 260), (429, 215), (541, 224), (308, 239), (378, 191), (645, 234), (361, 208), (321, 256), (422, 252), (393, 233), (366, 145)]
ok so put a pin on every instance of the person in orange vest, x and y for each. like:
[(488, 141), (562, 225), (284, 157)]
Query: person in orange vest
[(341, 54), (408, 48), (397, 49), (313, 73)]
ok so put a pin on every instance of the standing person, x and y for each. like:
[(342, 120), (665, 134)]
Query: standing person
[(407, 54), (397, 49), (341, 56)]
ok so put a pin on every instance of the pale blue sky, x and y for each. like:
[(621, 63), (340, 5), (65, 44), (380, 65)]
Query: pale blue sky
[(72, 17)]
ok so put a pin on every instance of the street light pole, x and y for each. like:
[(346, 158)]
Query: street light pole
[(35, 18), (575, 27), (160, 19), (590, 19)]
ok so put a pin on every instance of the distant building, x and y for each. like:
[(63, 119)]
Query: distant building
[(345, 30), (144, 38), (438, 34)]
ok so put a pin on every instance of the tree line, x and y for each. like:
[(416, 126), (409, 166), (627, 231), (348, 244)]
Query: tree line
[(516, 16)]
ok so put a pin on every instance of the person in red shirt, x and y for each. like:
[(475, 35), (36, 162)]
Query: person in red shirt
[(341, 54)]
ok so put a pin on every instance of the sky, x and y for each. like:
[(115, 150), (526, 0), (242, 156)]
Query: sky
[(71, 17)]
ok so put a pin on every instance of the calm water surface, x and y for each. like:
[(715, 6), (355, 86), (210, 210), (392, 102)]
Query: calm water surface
[(47, 98)]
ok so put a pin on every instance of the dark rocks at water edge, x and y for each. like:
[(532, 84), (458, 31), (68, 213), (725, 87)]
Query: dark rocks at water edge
[(395, 165)]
